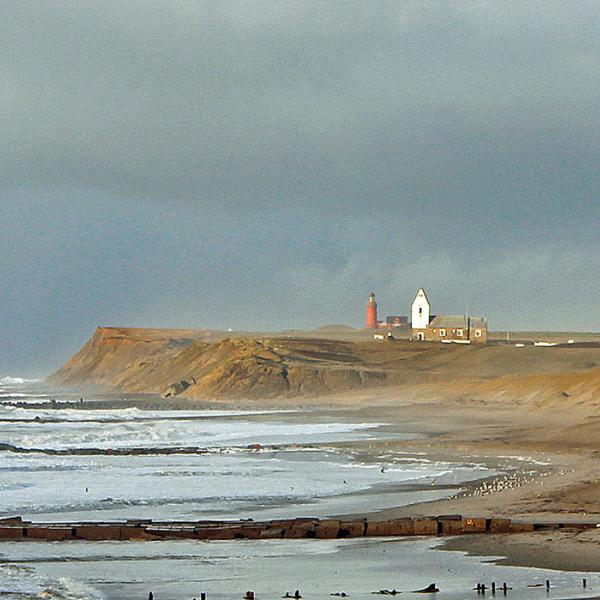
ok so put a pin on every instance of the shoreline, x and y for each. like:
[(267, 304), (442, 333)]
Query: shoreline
[(564, 488), (561, 550)]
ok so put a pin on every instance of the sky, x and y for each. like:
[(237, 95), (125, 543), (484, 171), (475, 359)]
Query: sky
[(265, 165)]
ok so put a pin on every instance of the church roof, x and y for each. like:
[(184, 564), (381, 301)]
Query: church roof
[(478, 322), (449, 321), (424, 294), (458, 321)]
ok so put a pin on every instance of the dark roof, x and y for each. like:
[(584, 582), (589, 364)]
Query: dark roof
[(478, 323), (457, 322), (449, 321)]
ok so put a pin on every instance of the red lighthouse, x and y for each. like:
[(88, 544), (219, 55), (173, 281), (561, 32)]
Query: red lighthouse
[(371, 322)]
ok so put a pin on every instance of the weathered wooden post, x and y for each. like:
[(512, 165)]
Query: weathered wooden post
[(493, 587), (584, 582), (202, 595), (504, 588), (547, 584)]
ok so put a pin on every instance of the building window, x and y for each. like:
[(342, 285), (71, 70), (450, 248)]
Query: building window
[(478, 333), (442, 333), (459, 332), (420, 310)]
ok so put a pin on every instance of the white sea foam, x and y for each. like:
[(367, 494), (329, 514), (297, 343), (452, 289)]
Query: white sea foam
[(229, 480), (196, 486), (314, 477), (16, 381), (122, 414), (173, 432), (21, 582), (5, 394)]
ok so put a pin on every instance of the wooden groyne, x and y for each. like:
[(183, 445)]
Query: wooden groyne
[(15, 528)]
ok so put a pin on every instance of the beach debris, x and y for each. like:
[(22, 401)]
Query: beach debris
[(481, 588), (387, 592), (539, 585), (430, 589), (296, 595), (249, 595), (343, 594)]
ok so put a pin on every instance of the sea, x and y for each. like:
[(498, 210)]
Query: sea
[(65, 457)]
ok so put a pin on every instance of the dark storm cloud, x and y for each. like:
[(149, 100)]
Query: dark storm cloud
[(185, 162)]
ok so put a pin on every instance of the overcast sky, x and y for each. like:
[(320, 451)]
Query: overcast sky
[(266, 165)]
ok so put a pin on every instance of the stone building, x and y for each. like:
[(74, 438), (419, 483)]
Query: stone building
[(456, 328), (445, 328)]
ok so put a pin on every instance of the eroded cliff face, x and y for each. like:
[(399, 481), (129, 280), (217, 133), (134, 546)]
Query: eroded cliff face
[(204, 365), (172, 363), (114, 354)]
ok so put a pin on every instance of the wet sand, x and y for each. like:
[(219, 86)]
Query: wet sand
[(564, 488), (562, 550)]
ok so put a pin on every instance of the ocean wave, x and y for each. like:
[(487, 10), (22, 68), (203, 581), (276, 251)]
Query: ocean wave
[(21, 582), (16, 380), (118, 415), (5, 394), (77, 435)]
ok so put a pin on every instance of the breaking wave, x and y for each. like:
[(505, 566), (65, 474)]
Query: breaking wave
[(16, 380), (22, 583)]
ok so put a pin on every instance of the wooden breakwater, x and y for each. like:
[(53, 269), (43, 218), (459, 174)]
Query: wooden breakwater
[(15, 528)]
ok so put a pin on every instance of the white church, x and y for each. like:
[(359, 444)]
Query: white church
[(445, 328)]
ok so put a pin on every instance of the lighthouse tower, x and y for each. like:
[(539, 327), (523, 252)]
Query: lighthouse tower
[(371, 321)]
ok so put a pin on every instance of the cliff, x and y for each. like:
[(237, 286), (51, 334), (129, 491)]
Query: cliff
[(206, 365), (191, 364)]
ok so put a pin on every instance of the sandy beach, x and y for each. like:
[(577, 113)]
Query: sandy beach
[(559, 441), (564, 489), (556, 474)]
